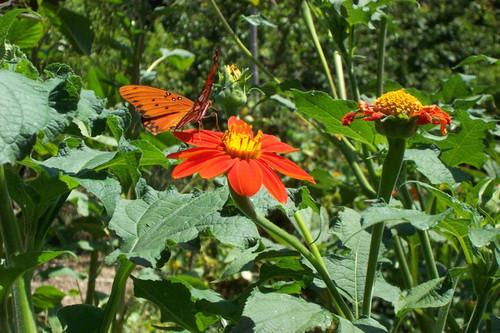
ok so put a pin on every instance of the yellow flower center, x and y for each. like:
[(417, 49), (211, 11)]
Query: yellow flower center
[(395, 103), (239, 141), (234, 71)]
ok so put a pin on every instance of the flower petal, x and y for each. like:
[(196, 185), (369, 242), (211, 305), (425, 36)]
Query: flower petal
[(374, 116), (285, 166), (191, 152), (245, 177), (365, 107), (217, 166), (204, 138), (272, 144), (273, 183), (192, 165), (348, 118)]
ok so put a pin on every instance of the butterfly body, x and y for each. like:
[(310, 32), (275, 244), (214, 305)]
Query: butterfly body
[(163, 110)]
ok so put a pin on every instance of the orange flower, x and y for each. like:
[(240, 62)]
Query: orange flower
[(249, 161), (400, 105)]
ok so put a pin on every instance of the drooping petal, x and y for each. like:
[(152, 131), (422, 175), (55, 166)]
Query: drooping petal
[(245, 177), (365, 107), (217, 166), (348, 118), (285, 166), (240, 126), (204, 138), (272, 144), (191, 152), (191, 165), (374, 116), (273, 183)]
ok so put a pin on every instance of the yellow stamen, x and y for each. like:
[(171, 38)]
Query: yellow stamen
[(240, 142), (397, 102), (234, 71)]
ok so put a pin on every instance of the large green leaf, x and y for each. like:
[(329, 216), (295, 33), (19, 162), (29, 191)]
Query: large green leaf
[(467, 145), (181, 59), (21, 263), (146, 224), (80, 318), (428, 163), (431, 294), (47, 297), (175, 302), (6, 21), (76, 160), (281, 313), (76, 28), (27, 107), (323, 108), (26, 32)]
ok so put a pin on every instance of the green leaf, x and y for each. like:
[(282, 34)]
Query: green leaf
[(145, 224), (281, 313), (476, 58), (362, 325), (180, 58), (21, 263), (6, 21), (26, 107), (76, 28), (258, 20), (76, 161), (323, 108), (26, 32), (467, 145), (80, 318), (46, 297), (431, 294), (394, 216), (174, 301), (455, 86), (428, 163), (483, 236), (150, 154)]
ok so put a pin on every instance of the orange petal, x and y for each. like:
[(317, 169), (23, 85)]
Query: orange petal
[(191, 165), (217, 166), (348, 118), (365, 107), (374, 116), (191, 152), (272, 144), (204, 138), (273, 183), (245, 177), (285, 166)]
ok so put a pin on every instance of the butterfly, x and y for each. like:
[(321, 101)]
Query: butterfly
[(163, 110)]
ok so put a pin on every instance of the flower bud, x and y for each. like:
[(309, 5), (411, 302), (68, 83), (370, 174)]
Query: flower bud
[(233, 94)]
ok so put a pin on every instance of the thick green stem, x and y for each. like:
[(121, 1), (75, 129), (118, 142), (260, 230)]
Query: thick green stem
[(381, 55), (428, 255), (21, 297), (306, 12), (4, 317), (247, 208), (390, 173), (477, 314), (89, 298), (308, 238), (118, 288), (339, 70), (242, 46)]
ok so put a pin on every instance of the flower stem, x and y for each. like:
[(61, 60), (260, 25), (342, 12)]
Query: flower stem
[(21, 297), (306, 13), (242, 46), (308, 238), (477, 314), (247, 208), (390, 172), (118, 288)]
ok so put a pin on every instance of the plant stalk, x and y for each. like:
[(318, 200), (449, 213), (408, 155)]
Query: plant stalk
[(390, 172), (21, 297), (306, 13), (118, 288), (381, 55), (481, 303), (308, 238), (245, 205), (89, 297), (242, 46)]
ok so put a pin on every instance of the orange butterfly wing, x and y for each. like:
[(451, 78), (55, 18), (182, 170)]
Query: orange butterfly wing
[(160, 110), (202, 103)]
